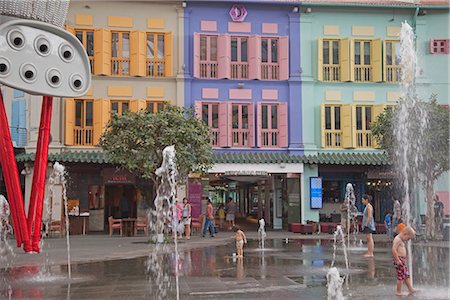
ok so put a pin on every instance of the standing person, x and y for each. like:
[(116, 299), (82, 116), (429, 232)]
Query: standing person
[(221, 214), (230, 209), (344, 216), (368, 224), (401, 259), (186, 214), (397, 215), (438, 214), (209, 222), (388, 224), (241, 239), (178, 215)]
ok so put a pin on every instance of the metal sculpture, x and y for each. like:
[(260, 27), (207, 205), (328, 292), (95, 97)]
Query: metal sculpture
[(40, 58)]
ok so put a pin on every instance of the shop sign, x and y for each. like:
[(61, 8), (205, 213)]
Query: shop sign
[(195, 196), (246, 173), (315, 185), (238, 13), (377, 174), (117, 176)]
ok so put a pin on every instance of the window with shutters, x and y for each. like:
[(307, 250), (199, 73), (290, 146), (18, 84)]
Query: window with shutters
[(208, 56), (269, 125), (119, 106), (120, 53), (83, 131), (210, 115), (363, 125), (332, 126), (440, 46), (392, 61), (155, 54), (330, 60), (155, 106), (362, 60), (240, 124), (270, 68), (239, 58), (86, 37)]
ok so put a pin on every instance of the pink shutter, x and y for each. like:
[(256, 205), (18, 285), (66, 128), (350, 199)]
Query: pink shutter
[(196, 66), (223, 125), (284, 58), (254, 50), (251, 125), (283, 125), (198, 109), (259, 123), (224, 55)]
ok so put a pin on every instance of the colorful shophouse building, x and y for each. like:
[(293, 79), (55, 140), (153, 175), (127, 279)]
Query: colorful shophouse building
[(242, 76), (350, 64)]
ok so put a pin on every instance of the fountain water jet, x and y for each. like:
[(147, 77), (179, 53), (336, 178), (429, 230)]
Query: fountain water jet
[(262, 233)]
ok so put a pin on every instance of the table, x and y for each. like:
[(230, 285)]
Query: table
[(128, 226), (78, 224)]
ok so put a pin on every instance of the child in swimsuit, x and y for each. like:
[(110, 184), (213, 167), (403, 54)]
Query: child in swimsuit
[(400, 259), (241, 239)]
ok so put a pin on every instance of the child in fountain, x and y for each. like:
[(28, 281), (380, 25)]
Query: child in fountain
[(241, 239), (401, 260)]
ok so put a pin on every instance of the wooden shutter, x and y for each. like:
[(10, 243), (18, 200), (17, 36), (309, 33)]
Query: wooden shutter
[(384, 60), (345, 60), (284, 57), (138, 53), (258, 123), (376, 111), (348, 140), (322, 125), (320, 60), (377, 61), (224, 56), (134, 105), (102, 52), (251, 125), (254, 50), (168, 54), (224, 137), (196, 66), (283, 125), (70, 121), (142, 105), (101, 117)]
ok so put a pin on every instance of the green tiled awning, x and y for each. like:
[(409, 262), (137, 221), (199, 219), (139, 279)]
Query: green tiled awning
[(241, 157)]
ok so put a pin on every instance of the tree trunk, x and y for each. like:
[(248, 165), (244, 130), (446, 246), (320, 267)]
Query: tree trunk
[(430, 224)]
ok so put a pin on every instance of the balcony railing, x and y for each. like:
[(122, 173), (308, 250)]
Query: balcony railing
[(120, 66), (364, 138), (19, 136), (83, 136), (331, 72), (240, 137), (156, 68), (208, 70), (363, 73), (270, 71), (333, 138), (269, 137), (215, 137), (392, 74), (239, 70)]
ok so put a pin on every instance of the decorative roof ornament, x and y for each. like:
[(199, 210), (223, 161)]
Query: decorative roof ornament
[(238, 13)]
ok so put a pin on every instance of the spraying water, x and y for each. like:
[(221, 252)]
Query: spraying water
[(6, 251), (334, 284), (162, 220), (352, 212), (262, 233)]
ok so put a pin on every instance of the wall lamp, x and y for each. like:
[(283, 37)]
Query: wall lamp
[(295, 9), (308, 10), (240, 85), (184, 4)]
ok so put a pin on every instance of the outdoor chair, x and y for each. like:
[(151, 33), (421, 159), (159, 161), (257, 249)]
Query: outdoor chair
[(141, 224), (114, 224), (57, 226)]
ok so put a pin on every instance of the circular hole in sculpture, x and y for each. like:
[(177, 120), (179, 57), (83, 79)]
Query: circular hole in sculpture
[(29, 74), (3, 68), (77, 83), (67, 54), (43, 48), (55, 79), (18, 41)]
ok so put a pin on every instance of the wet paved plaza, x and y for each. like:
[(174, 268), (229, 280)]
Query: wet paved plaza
[(293, 270)]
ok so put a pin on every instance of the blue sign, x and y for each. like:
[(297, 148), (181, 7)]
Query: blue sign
[(315, 185)]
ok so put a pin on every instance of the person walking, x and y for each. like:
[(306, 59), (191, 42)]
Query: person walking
[(396, 216), (368, 224), (230, 209), (186, 215), (438, 214), (209, 221), (388, 224)]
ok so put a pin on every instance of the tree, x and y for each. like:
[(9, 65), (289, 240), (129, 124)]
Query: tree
[(433, 153), (135, 141)]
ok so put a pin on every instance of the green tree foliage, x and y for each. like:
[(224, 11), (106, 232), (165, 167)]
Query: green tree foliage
[(136, 140), (433, 160)]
